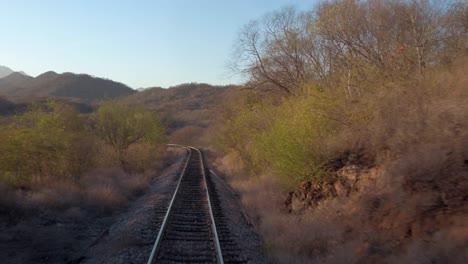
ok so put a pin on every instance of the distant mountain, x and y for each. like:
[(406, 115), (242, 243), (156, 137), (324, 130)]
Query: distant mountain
[(17, 86), (15, 79), (5, 71)]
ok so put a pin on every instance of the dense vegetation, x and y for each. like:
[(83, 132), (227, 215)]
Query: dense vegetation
[(337, 77), (53, 140), (358, 110)]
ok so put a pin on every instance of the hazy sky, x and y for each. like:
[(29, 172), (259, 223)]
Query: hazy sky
[(139, 43)]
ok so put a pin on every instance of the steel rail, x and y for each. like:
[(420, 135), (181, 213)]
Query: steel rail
[(219, 255), (166, 217)]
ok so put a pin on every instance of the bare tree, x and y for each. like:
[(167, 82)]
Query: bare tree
[(279, 51), (349, 43), (456, 31)]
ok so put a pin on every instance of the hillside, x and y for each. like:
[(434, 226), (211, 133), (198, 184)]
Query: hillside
[(185, 104), (14, 80), (187, 109), (84, 87)]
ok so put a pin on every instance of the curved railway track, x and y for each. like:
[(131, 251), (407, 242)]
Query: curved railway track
[(194, 229)]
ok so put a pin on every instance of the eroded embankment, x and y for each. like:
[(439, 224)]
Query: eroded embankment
[(397, 212)]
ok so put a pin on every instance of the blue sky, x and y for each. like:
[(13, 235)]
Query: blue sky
[(140, 43)]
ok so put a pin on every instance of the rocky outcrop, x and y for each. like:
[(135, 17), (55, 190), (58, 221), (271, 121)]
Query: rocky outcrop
[(349, 179), (391, 211)]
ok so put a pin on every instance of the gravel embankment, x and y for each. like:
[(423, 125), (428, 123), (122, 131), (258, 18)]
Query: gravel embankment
[(130, 238), (247, 239)]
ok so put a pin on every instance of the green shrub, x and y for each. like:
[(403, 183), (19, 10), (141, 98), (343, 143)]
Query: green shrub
[(44, 141), (286, 136), (121, 127), (245, 121), (291, 144)]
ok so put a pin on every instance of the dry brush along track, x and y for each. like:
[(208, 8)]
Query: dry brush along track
[(194, 229)]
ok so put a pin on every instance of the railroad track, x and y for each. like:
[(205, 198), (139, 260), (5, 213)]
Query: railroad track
[(194, 229)]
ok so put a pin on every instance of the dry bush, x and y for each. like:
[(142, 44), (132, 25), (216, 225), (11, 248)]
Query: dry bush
[(100, 191), (143, 159), (50, 193), (104, 197), (106, 157), (416, 117), (382, 223), (428, 108), (111, 188)]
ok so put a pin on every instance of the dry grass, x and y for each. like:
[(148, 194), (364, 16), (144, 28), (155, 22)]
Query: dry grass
[(107, 189), (383, 224), (141, 158), (100, 191)]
